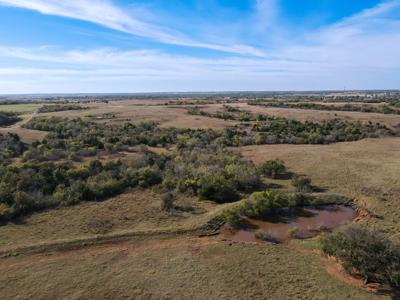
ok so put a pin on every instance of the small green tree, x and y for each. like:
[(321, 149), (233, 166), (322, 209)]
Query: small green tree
[(167, 201), (366, 252), (302, 183), (5, 212), (218, 188), (273, 168)]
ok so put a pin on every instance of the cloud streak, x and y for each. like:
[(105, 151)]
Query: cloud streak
[(354, 52), (105, 13)]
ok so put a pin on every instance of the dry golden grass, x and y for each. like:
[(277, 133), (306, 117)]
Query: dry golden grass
[(319, 115), (21, 108), (177, 265), (27, 135), (367, 170), (138, 210), (131, 111), (165, 267)]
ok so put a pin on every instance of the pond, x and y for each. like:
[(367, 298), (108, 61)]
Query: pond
[(300, 223)]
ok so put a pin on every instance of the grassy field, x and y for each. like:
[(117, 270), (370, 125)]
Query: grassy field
[(165, 267), (20, 108), (367, 171), (137, 211), (320, 115), (127, 247), (27, 135), (135, 112)]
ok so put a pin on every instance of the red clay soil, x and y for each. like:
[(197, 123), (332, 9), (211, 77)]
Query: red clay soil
[(335, 269), (127, 247)]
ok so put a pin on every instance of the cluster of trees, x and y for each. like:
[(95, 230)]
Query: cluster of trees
[(59, 107), (10, 146), (8, 118), (273, 168), (76, 138), (217, 175), (296, 98), (278, 130), (229, 113), (384, 108), (368, 253), (200, 164), (261, 205), (34, 186), (281, 130), (213, 175)]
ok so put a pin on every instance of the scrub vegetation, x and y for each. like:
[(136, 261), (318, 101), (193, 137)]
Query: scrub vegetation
[(59, 107), (136, 190), (367, 253), (8, 118), (393, 108)]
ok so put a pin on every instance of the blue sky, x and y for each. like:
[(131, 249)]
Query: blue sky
[(83, 46)]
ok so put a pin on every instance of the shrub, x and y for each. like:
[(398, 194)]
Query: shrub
[(264, 203), (273, 168), (259, 206), (5, 212), (167, 201), (302, 183), (244, 175), (366, 252), (293, 231), (149, 176), (231, 216), (24, 203), (218, 188), (8, 118)]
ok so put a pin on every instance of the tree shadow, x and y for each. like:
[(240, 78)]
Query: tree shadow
[(285, 176)]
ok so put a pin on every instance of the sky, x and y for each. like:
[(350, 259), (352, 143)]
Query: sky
[(128, 46)]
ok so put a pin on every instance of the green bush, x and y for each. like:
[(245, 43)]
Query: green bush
[(366, 252), (273, 168), (149, 176), (231, 216), (302, 183), (259, 206), (167, 201), (5, 212), (8, 118), (217, 188)]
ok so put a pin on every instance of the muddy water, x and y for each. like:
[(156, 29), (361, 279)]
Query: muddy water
[(302, 223)]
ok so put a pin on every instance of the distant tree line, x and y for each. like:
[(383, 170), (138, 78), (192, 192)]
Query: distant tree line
[(384, 108), (59, 107), (266, 129)]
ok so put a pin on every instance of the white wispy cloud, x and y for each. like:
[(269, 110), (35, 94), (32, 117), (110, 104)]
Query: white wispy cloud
[(266, 14), (360, 51), (105, 13)]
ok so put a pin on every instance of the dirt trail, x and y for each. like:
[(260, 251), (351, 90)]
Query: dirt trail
[(26, 120), (130, 248), (73, 244)]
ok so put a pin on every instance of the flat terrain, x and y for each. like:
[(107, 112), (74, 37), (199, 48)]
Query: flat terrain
[(320, 115), (135, 211), (367, 171), (135, 112), (20, 108), (175, 268), (127, 247)]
